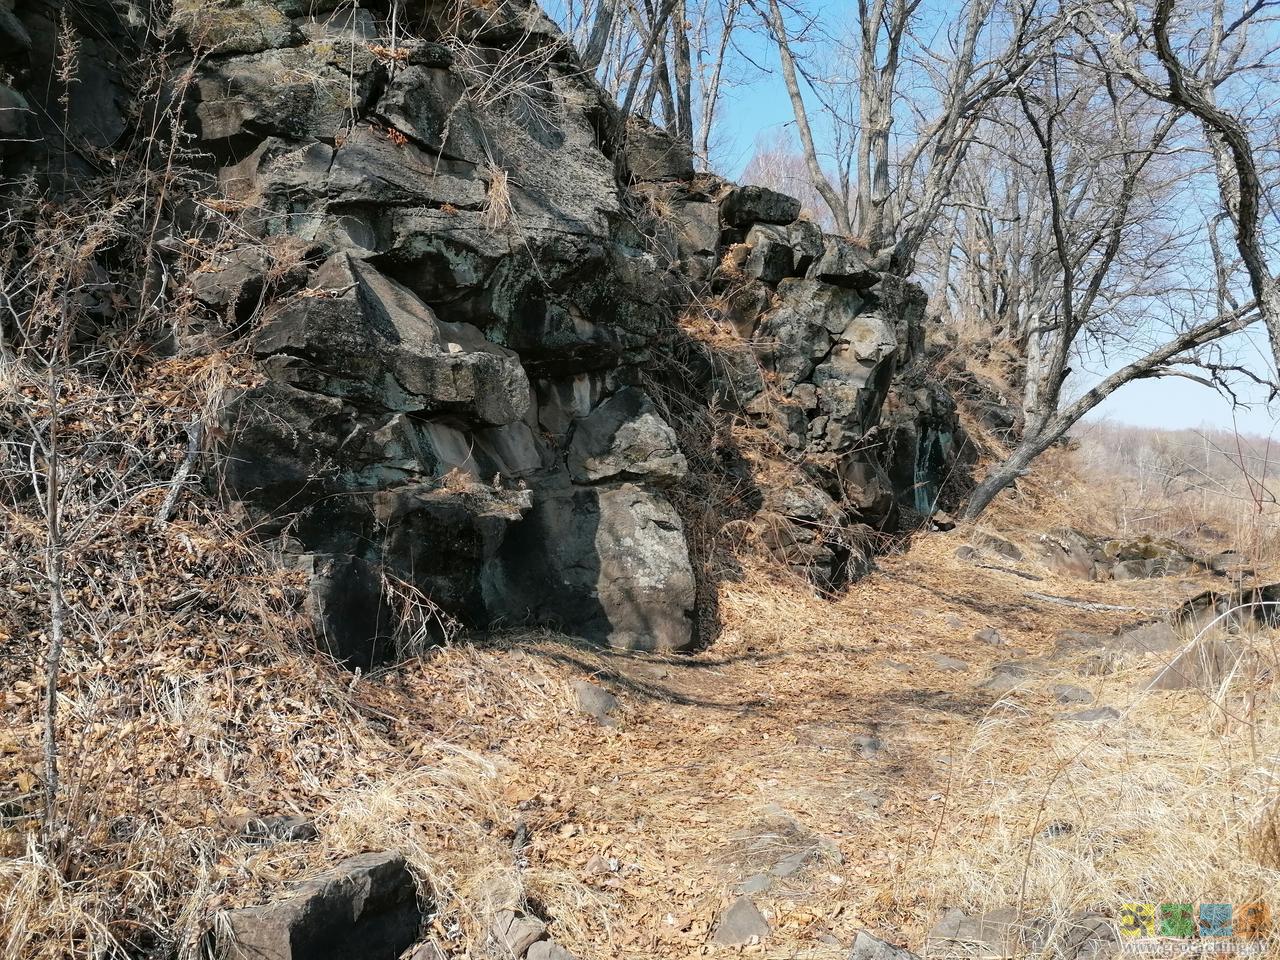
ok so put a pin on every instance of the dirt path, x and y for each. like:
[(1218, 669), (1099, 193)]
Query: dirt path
[(820, 756)]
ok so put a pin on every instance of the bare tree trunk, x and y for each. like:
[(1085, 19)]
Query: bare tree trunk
[(660, 87), (656, 31), (601, 27), (683, 72), (839, 210), (1063, 334), (877, 85), (1197, 99), (711, 91), (1033, 367)]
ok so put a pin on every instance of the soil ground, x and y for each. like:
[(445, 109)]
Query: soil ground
[(829, 756)]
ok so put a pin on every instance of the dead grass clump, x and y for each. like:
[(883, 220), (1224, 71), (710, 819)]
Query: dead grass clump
[(498, 212), (1057, 818)]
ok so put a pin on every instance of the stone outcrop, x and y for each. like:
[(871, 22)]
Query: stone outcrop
[(365, 906), (1077, 553), (465, 284)]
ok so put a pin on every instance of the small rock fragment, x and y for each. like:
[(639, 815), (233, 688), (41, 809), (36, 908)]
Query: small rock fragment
[(1157, 637), (791, 864), (990, 934), (949, 664), (997, 545), (1005, 676), (867, 947), (1087, 936), (755, 884), (427, 951), (1069, 693), (598, 865), (868, 745), (516, 934), (268, 829), (595, 702), (1206, 664), (549, 950), (366, 906), (740, 924), (989, 635)]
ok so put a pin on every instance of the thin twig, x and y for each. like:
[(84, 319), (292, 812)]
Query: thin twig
[(195, 433)]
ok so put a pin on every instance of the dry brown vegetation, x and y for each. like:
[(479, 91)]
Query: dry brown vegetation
[(190, 697), (1215, 488)]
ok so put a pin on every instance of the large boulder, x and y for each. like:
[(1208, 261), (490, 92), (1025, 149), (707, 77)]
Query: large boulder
[(750, 204), (308, 92), (608, 563), (845, 263), (234, 26), (652, 154)]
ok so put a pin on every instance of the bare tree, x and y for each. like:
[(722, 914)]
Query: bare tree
[(1104, 226), (683, 72), (601, 28), (1238, 181), (900, 194), (877, 82), (712, 73), (665, 60), (1118, 47)]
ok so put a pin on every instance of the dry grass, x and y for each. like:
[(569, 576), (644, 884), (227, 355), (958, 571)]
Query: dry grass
[(200, 703), (187, 699), (1170, 804), (1214, 488), (499, 212)]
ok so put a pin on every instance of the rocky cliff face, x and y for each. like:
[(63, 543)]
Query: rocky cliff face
[(463, 281)]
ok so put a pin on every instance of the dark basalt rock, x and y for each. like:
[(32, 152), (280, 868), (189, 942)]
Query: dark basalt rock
[(845, 264), (652, 154), (608, 563), (624, 438), (461, 296), (747, 205), (366, 906)]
